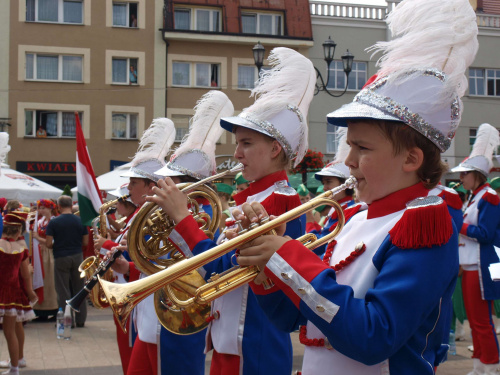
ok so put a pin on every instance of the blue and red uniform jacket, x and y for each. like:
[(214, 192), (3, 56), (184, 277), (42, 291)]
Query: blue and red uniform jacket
[(262, 347), (478, 235), (387, 309)]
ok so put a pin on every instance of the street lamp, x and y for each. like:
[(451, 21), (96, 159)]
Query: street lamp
[(258, 56), (347, 59)]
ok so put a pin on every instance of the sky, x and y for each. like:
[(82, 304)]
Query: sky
[(369, 2)]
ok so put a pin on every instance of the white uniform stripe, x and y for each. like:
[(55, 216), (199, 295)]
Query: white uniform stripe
[(320, 305)]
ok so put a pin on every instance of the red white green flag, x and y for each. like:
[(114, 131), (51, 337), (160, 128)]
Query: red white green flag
[(89, 199)]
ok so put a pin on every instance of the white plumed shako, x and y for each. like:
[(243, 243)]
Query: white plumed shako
[(283, 95), (480, 159), (195, 156), (153, 149)]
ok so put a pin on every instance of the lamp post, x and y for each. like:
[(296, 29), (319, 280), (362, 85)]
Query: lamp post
[(258, 56), (347, 59)]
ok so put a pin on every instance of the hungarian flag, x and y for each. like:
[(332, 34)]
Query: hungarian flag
[(89, 199)]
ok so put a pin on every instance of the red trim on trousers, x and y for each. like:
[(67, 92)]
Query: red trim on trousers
[(224, 364), (484, 338), (124, 348), (144, 359)]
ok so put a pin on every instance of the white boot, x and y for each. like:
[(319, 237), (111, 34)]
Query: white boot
[(490, 369), (477, 364)]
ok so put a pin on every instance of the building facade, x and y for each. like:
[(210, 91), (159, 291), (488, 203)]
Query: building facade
[(119, 64), (357, 27)]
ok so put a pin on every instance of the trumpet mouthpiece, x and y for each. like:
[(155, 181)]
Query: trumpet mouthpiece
[(237, 168)]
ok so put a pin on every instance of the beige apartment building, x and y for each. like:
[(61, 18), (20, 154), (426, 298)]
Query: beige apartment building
[(121, 63)]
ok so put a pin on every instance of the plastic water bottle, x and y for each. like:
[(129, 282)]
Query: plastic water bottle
[(60, 324), (453, 345), (67, 323)]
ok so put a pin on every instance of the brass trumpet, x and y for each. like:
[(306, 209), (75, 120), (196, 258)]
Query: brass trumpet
[(124, 297)]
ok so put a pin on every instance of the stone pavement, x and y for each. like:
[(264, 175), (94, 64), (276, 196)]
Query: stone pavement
[(92, 350)]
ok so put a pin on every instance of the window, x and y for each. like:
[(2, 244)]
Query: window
[(58, 11), (181, 126), (46, 67), (205, 74), (125, 14), (203, 19), (124, 71), (332, 142), (50, 124), (246, 76), (124, 126), (180, 133), (261, 23), (477, 84), (357, 77)]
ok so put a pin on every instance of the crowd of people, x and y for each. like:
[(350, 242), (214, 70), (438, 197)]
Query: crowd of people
[(379, 298)]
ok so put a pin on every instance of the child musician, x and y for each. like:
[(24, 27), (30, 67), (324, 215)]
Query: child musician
[(477, 252), (269, 134), (380, 302)]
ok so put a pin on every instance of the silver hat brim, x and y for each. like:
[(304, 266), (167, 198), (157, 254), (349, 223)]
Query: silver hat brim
[(229, 123), (358, 111)]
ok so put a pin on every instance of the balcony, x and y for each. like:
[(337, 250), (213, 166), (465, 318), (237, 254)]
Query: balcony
[(379, 12)]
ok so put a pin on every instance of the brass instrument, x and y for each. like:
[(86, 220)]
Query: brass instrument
[(91, 267), (151, 252), (124, 297)]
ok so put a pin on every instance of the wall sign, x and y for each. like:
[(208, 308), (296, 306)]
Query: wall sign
[(224, 162), (46, 167)]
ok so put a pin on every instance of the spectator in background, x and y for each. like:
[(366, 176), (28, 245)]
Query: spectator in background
[(66, 235), (133, 75), (240, 182), (47, 297), (133, 20), (41, 133)]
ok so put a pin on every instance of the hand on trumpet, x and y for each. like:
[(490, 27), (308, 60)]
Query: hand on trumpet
[(260, 250), (170, 199)]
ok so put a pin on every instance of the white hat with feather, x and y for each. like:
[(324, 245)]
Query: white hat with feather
[(153, 149), (195, 156), (480, 159), (283, 95), (422, 73), (337, 167)]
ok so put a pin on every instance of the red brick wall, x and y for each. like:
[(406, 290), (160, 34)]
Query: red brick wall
[(296, 13), (491, 6)]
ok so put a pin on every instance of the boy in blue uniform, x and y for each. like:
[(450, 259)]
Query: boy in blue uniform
[(380, 301)]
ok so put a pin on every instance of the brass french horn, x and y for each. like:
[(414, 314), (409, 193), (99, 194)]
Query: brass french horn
[(124, 297), (150, 250)]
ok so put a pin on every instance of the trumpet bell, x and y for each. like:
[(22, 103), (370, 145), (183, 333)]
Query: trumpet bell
[(182, 320)]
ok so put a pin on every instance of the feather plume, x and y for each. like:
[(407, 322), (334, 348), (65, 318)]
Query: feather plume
[(205, 129), (4, 147), (487, 141), (343, 148), (291, 81), (431, 34), (156, 141)]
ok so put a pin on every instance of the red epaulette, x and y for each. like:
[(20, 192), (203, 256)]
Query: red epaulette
[(277, 204), (425, 223), (491, 198), (452, 199)]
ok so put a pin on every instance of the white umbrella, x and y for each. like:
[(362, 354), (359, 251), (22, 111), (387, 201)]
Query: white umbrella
[(24, 188), (110, 180)]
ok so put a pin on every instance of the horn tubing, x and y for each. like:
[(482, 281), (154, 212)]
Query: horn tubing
[(123, 298)]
